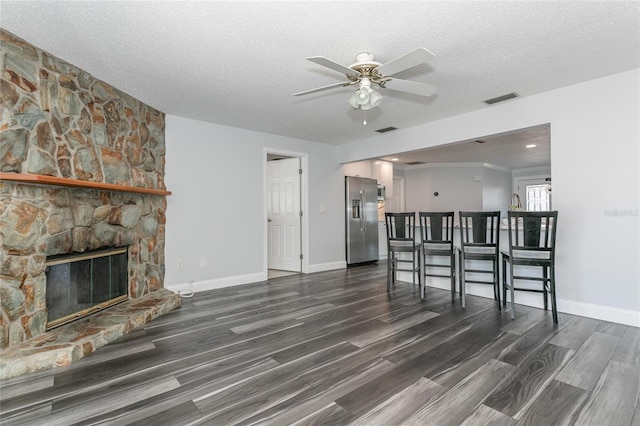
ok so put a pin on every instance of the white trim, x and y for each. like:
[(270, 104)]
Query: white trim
[(537, 169), (494, 167), (590, 310), (217, 283), (244, 279), (321, 267), (456, 165), (304, 204), (605, 313)]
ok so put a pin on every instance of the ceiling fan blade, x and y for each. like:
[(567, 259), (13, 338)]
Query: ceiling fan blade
[(321, 60), (410, 60), (318, 89), (407, 86)]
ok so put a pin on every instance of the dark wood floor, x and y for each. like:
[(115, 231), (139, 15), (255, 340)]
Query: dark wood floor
[(336, 348)]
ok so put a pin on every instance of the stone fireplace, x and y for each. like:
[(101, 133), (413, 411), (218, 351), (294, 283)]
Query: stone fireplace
[(83, 283), (82, 169)]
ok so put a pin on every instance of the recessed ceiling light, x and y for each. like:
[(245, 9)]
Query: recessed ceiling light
[(394, 159), (531, 145)]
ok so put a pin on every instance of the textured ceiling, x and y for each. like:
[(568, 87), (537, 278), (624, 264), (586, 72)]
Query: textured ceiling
[(508, 150), (238, 63)]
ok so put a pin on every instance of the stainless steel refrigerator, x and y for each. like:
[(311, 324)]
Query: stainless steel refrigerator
[(362, 219)]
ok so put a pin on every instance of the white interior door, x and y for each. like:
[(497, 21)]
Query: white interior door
[(283, 214)]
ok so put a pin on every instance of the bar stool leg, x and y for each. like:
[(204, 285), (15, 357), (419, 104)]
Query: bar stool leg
[(504, 281), (389, 260), (545, 294), (452, 271), (554, 307), (463, 284), (496, 283), (513, 292)]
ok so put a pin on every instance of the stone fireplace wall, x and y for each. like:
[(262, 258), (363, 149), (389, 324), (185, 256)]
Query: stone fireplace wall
[(58, 120)]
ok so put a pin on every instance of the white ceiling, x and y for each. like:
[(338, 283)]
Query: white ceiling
[(238, 63), (510, 150)]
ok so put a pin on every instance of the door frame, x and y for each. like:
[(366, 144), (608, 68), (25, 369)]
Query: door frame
[(304, 205)]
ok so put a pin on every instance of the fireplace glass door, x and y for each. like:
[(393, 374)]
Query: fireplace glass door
[(80, 284)]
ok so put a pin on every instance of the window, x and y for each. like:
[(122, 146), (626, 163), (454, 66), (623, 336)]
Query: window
[(538, 197)]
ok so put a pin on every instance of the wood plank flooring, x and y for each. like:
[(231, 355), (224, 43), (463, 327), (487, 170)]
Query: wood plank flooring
[(336, 348)]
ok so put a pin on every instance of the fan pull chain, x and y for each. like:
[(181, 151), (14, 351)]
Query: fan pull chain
[(364, 113)]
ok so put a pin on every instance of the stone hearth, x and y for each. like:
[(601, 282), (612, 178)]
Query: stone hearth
[(71, 342)]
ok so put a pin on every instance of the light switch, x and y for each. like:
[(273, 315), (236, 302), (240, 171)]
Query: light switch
[(323, 209)]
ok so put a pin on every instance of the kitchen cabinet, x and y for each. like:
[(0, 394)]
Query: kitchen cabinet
[(380, 170), (382, 240), (359, 169)]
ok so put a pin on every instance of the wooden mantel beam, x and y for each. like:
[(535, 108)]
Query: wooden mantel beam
[(75, 183)]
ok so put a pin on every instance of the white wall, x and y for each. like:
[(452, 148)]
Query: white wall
[(496, 190), (460, 187), (455, 186), (216, 208), (595, 134)]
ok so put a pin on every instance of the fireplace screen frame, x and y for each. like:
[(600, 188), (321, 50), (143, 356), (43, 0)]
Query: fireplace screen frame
[(95, 307)]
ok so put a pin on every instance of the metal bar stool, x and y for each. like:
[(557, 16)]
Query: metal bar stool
[(532, 242), (401, 239), (436, 236), (479, 241)]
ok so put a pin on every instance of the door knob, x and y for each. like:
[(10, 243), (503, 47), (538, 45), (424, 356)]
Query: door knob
[(268, 220)]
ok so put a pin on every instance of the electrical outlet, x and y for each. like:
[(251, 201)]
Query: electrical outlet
[(180, 264), (203, 262)]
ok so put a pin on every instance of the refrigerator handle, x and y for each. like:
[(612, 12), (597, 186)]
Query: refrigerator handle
[(364, 211)]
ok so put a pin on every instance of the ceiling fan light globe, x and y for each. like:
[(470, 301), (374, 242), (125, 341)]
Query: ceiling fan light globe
[(353, 101), (375, 99), (363, 95)]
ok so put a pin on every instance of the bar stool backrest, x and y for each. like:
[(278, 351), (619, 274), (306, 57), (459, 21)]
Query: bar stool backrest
[(436, 227), (532, 232), (480, 229), (400, 226)]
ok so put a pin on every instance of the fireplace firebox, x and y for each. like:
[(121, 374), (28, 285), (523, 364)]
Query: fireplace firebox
[(80, 284)]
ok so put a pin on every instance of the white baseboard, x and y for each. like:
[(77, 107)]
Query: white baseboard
[(321, 267), (583, 309), (605, 313), (601, 312), (243, 279), (217, 283)]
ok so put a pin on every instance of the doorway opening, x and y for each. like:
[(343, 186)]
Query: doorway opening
[(285, 205)]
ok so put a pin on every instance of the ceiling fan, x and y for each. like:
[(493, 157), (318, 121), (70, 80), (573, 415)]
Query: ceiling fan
[(366, 71)]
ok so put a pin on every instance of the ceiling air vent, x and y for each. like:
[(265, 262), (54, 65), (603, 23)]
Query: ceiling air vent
[(386, 129), (501, 98), (415, 163)]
